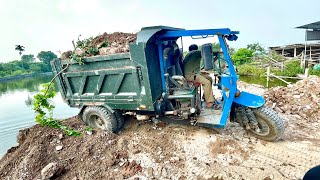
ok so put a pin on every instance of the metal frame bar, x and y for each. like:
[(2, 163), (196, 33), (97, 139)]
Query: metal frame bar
[(201, 32)]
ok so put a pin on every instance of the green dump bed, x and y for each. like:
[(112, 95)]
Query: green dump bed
[(119, 81), (128, 81)]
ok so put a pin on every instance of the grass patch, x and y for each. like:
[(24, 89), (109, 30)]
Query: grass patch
[(251, 70)]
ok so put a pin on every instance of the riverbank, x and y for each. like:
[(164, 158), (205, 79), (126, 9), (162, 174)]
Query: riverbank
[(9, 78), (162, 151), (17, 111)]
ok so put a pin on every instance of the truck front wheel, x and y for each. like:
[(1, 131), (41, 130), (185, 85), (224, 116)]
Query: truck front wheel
[(271, 126), (100, 117)]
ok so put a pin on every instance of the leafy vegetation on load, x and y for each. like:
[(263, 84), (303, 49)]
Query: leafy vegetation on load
[(86, 48)]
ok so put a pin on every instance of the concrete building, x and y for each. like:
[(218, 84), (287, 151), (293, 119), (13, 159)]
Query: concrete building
[(308, 53)]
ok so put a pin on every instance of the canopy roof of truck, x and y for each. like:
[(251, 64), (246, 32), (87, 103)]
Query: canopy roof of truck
[(171, 33), (147, 32)]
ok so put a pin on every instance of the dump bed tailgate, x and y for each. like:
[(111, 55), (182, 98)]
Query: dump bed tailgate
[(114, 80)]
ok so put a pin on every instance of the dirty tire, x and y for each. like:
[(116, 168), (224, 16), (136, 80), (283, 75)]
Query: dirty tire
[(197, 100), (120, 118), (100, 117), (270, 119)]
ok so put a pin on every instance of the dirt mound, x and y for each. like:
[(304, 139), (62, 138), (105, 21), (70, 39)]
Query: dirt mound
[(104, 44), (148, 151), (301, 99)]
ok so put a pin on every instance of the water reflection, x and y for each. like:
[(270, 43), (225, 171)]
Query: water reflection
[(16, 108), (30, 84)]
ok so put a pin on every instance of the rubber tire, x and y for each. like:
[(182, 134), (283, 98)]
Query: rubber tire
[(120, 118), (109, 119), (274, 122), (198, 101)]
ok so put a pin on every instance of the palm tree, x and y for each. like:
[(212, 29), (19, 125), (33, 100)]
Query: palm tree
[(19, 48)]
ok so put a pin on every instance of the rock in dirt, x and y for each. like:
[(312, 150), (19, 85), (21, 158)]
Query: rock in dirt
[(150, 172), (50, 170), (174, 159), (58, 148), (66, 55)]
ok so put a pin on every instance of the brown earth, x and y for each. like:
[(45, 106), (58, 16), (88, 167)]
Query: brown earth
[(118, 42), (301, 99), (170, 151)]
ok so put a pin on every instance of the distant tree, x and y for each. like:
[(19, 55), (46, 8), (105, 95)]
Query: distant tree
[(20, 48), (216, 47), (231, 51), (256, 47), (28, 58), (242, 56), (46, 56)]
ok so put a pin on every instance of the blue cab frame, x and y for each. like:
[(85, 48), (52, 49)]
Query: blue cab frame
[(228, 81)]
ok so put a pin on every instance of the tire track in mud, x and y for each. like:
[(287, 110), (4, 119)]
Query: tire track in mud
[(290, 159)]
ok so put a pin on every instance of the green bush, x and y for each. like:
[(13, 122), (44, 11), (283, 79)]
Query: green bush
[(314, 72), (291, 69), (242, 56), (247, 69)]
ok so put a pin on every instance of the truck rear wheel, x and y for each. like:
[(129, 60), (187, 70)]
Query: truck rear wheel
[(100, 117), (271, 126), (120, 118)]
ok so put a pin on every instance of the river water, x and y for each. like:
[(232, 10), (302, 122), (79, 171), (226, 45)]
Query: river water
[(16, 110)]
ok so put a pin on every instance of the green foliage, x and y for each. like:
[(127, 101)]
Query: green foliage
[(94, 51), (231, 51), (291, 68), (43, 108), (46, 57), (216, 47), (88, 48), (103, 44), (256, 47), (278, 57), (19, 48), (89, 129), (314, 72), (252, 70), (77, 58), (242, 56), (84, 43), (28, 58), (14, 68)]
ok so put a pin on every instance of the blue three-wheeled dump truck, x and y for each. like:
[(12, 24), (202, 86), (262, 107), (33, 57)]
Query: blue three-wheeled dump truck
[(149, 82)]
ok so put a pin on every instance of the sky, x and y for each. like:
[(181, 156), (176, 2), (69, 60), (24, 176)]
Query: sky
[(51, 25)]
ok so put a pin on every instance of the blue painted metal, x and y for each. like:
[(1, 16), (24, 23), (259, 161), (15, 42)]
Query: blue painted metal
[(228, 81), (201, 32), (249, 100)]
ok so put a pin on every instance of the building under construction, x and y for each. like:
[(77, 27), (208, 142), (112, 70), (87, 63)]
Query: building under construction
[(308, 53)]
